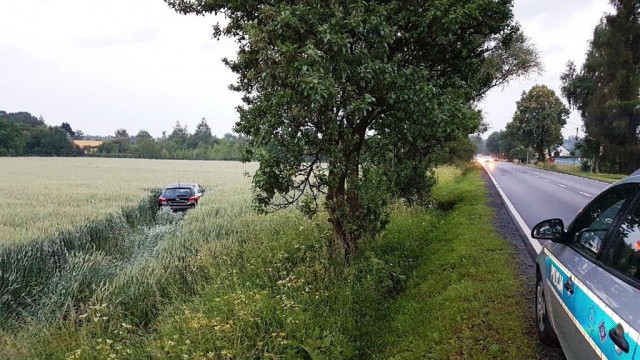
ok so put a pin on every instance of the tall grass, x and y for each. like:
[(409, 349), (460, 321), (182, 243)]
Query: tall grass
[(45, 279)]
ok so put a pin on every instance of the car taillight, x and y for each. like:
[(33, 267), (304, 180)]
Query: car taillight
[(162, 200)]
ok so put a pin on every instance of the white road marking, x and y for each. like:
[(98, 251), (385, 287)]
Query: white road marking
[(547, 180), (535, 243), (564, 186), (585, 194)]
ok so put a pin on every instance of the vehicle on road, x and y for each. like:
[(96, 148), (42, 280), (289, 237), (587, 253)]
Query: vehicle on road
[(180, 196), (484, 158), (588, 277)]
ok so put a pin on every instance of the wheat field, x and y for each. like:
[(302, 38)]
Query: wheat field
[(42, 196)]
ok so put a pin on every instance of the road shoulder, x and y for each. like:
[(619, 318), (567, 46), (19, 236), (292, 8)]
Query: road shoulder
[(523, 260)]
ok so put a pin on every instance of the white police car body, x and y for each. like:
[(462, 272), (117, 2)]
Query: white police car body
[(588, 277)]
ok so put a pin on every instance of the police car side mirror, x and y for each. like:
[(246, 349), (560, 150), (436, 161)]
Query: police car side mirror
[(552, 229)]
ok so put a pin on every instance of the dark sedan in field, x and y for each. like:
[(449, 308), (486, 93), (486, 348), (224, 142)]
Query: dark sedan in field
[(181, 196)]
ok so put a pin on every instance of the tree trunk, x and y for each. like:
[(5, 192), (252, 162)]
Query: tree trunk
[(540, 151), (342, 205), (542, 157), (343, 202)]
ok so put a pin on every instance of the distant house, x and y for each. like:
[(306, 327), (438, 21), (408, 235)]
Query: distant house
[(561, 151), (89, 146)]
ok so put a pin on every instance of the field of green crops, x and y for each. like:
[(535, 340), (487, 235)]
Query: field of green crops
[(42, 196)]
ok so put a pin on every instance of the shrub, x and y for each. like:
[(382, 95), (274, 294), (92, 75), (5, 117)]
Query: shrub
[(585, 166)]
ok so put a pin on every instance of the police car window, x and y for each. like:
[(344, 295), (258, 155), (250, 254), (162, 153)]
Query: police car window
[(624, 254), (590, 228)]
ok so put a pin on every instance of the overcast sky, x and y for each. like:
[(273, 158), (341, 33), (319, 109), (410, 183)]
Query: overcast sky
[(561, 31), (136, 64)]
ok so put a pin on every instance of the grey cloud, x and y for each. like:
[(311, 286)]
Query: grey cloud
[(553, 49), (141, 36), (551, 13)]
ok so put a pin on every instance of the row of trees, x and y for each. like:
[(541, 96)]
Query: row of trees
[(605, 91), (349, 102), (24, 134), (179, 144)]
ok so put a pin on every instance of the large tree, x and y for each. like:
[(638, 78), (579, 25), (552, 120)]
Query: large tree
[(325, 80), (143, 135), (202, 135), (122, 140), (606, 89), (179, 136), (66, 127), (538, 120)]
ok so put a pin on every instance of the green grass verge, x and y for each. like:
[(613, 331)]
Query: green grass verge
[(463, 301), (437, 284), (575, 170)]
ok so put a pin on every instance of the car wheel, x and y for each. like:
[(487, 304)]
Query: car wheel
[(543, 325)]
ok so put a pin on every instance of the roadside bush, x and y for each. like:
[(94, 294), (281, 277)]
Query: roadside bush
[(585, 166)]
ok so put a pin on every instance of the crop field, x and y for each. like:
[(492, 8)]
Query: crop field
[(73, 247), (42, 196)]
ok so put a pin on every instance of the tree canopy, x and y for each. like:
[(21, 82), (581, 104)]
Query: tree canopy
[(23, 134), (22, 117), (605, 90), (341, 95), (538, 120)]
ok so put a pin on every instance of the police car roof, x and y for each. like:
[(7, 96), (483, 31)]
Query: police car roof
[(632, 179)]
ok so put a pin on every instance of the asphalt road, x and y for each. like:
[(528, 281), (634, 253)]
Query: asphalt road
[(539, 195)]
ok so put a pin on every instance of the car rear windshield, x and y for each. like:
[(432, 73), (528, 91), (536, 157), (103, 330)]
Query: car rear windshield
[(177, 192)]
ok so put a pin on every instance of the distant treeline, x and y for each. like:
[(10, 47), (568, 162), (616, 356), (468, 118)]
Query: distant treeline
[(22, 134), (179, 144)]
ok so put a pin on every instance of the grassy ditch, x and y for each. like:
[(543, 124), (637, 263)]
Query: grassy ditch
[(463, 300), (54, 278), (437, 284), (575, 170)]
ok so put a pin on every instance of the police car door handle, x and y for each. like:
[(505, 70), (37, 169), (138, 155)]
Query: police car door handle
[(569, 286), (617, 336)]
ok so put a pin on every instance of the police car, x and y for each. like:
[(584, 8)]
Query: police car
[(588, 277)]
